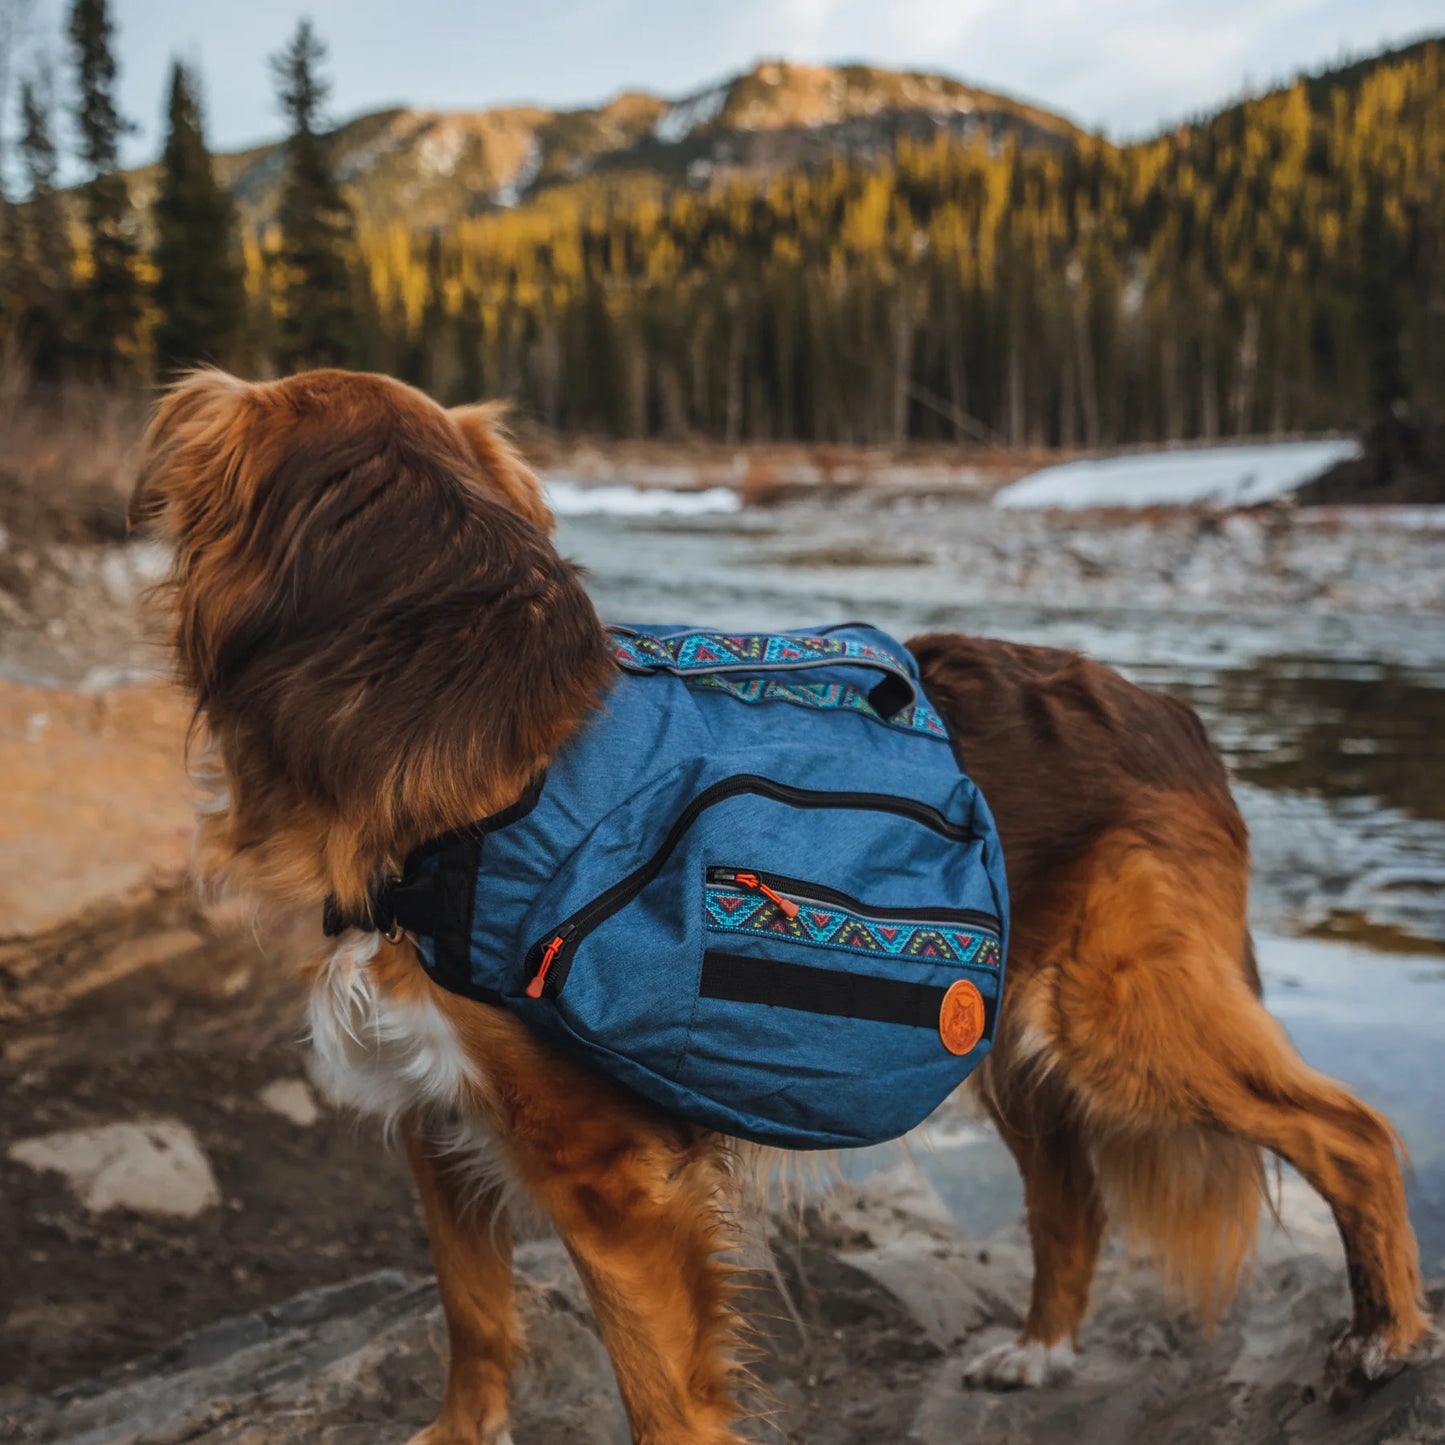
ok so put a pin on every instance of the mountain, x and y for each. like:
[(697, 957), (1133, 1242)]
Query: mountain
[(428, 168)]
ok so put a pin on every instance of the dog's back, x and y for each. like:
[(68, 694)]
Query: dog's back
[(1067, 750)]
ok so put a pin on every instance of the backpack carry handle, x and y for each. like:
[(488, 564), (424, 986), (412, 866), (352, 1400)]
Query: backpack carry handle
[(693, 654)]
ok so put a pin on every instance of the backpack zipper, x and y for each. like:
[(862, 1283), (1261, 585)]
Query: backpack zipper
[(551, 957), (792, 892), (786, 906)]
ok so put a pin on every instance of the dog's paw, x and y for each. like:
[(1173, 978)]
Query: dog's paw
[(444, 1432), (1021, 1365), (1358, 1364)]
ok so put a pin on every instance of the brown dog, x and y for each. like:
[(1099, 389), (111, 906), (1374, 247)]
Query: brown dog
[(383, 644)]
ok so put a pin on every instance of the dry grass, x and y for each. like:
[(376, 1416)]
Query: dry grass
[(66, 457)]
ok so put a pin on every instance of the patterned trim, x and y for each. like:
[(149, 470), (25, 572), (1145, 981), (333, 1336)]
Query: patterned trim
[(737, 910), (708, 651), (918, 717)]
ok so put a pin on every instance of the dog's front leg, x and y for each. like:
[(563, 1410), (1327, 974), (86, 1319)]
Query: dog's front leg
[(643, 1213), (471, 1247)]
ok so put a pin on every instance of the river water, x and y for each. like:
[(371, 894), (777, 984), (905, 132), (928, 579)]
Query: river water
[(1333, 724)]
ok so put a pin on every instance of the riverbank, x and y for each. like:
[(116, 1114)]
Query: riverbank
[(867, 1312)]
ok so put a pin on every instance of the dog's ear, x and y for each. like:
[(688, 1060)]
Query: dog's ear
[(191, 453), (484, 427)]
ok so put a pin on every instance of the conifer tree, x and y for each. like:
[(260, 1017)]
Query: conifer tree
[(41, 248), (12, 23), (199, 293), (318, 324), (108, 305)]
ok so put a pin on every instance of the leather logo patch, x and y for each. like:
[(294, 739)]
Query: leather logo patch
[(961, 1019)]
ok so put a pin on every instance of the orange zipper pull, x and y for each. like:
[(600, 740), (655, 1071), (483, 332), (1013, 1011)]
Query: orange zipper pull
[(534, 989), (786, 906)]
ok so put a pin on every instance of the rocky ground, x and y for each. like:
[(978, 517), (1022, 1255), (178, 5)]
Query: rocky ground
[(868, 1315)]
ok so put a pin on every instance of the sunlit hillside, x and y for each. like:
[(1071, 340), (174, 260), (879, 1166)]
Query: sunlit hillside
[(431, 167)]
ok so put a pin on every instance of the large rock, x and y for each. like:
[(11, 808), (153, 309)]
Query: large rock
[(153, 1166), (354, 1363)]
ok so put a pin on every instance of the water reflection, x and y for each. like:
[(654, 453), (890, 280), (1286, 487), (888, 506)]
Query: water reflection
[(1333, 729)]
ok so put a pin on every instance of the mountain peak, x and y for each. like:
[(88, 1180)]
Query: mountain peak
[(431, 168)]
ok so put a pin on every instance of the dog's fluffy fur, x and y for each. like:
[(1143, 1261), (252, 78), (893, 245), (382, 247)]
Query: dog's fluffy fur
[(382, 644)]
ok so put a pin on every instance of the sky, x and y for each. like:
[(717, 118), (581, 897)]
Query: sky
[(1122, 66)]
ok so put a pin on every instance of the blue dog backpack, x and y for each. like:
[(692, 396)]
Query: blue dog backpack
[(757, 888)]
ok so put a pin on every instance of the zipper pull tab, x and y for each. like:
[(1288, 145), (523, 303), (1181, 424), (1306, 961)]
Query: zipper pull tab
[(539, 979), (786, 906)]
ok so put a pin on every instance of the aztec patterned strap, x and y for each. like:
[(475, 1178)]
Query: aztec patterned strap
[(917, 717), (703, 653), (742, 912)]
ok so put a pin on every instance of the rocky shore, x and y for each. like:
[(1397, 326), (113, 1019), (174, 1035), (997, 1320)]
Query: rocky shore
[(866, 1319)]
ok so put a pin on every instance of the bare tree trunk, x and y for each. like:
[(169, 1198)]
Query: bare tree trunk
[(1088, 379), (1068, 410), (701, 410), (1015, 390), (1208, 386), (549, 371), (1277, 416), (902, 361), (1173, 402), (672, 402), (953, 352), (733, 425), (637, 379), (1242, 402)]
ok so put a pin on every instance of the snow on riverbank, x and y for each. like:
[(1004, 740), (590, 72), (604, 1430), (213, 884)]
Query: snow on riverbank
[(575, 499), (1230, 476)]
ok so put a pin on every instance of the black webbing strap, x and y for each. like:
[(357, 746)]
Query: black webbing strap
[(738, 979), (433, 902)]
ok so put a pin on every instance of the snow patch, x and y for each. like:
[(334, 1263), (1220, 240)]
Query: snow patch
[(1217, 476), (679, 121), (441, 149), (522, 178), (576, 499)]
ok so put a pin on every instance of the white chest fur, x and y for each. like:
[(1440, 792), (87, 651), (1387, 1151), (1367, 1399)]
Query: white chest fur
[(380, 1054), (389, 1057)]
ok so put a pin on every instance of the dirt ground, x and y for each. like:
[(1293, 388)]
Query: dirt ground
[(196, 1037)]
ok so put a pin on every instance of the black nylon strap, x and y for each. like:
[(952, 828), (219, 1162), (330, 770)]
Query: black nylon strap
[(453, 899), (419, 902), (376, 917), (737, 978)]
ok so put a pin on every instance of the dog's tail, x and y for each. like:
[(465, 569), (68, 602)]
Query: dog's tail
[(1188, 1199), (1188, 1202)]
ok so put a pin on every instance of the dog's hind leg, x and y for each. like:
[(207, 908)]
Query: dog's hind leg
[(1350, 1154), (1182, 1077), (471, 1247), (1066, 1225)]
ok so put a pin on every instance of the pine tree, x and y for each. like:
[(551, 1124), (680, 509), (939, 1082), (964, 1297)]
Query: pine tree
[(199, 293), (108, 305), (41, 248), (318, 324)]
